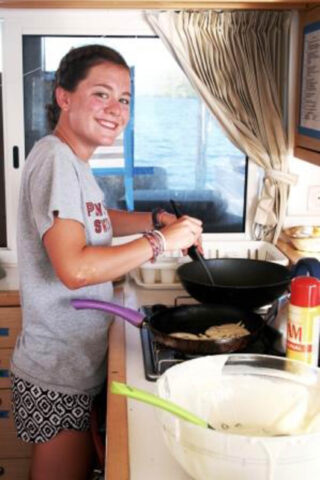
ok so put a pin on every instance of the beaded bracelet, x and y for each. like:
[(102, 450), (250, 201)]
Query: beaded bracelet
[(154, 243), (157, 242), (162, 239)]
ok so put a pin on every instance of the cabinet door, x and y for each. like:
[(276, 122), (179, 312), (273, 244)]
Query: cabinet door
[(10, 445), (10, 326), (5, 356), (14, 469)]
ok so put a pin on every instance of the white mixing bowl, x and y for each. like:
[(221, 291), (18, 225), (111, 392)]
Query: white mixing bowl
[(266, 411)]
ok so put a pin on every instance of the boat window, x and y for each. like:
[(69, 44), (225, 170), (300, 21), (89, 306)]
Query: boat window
[(173, 148)]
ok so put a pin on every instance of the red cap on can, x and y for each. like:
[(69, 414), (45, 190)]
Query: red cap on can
[(305, 291)]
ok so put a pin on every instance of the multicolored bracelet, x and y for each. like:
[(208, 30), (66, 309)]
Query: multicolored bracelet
[(162, 240), (157, 242)]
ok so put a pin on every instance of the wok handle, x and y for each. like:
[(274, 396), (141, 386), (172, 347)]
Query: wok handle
[(132, 316), (193, 252), (305, 266)]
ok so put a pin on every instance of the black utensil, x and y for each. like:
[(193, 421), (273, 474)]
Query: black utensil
[(193, 252)]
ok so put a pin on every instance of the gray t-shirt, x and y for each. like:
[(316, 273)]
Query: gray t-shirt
[(59, 348)]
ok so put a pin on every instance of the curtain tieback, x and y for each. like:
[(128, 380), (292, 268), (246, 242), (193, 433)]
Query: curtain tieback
[(281, 177)]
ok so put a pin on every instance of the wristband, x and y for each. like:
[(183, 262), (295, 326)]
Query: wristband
[(155, 215)]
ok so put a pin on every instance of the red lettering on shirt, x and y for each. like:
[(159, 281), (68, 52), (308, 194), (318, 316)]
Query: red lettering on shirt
[(105, 224), (90, 208), (97, 226), (102, 225), (98, 209), (95, 208)]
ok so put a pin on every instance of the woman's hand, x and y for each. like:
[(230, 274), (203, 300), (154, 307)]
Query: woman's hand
[(166, 218), (181, 233)]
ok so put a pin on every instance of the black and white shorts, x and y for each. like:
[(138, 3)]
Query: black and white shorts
[(40, 414)]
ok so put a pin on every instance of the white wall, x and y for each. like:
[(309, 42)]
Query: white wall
[(301, 210)]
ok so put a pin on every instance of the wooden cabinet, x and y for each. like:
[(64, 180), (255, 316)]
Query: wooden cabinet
[(14, 454), (307, 136), (14, 469)]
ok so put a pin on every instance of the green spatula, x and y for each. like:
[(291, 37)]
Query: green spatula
[(146, 397)]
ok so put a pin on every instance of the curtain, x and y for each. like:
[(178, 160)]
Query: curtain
[(237, 62)]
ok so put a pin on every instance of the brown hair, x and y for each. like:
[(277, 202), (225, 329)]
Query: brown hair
[(74, 67)]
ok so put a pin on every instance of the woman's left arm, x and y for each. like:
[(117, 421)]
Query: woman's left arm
[(128, 223)]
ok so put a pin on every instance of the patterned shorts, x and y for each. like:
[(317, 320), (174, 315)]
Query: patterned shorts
[(41, 414)]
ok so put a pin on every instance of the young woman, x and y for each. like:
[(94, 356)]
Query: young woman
[(64, 252)]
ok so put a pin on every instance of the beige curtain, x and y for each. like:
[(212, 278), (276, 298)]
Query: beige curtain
[(237, 62)]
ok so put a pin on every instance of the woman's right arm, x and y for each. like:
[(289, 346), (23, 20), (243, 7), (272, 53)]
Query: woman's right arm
[(78, 264)]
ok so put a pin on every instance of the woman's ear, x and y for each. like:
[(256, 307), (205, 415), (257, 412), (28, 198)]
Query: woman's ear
[(63, 98)]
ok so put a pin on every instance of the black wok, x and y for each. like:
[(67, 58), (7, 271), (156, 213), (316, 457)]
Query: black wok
[(190, 319), (241, 282)]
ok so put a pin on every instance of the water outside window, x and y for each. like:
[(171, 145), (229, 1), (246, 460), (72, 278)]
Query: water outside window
[(180, 151)]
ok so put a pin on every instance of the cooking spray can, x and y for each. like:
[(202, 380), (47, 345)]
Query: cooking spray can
[(303, 326)]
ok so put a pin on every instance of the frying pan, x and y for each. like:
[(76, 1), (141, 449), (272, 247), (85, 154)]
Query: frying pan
[(240, 282), (243, 282), (187, 318)]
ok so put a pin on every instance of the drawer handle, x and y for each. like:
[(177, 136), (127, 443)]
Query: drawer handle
[(4, 332), (4, 373), (2, 471), (4, 414)]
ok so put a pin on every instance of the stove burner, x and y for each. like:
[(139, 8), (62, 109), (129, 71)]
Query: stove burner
[(158, 358)]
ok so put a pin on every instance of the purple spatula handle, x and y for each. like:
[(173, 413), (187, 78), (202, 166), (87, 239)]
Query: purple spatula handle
[(132, 316)]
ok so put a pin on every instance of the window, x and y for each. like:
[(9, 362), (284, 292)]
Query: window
[(222, 188), (178, 149)]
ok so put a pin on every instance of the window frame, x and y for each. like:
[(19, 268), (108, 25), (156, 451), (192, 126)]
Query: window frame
[(20, 22)]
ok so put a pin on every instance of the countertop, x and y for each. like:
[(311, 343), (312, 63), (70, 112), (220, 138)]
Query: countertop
[(11, 280), (293, 254), (135, 446), (147, 453)]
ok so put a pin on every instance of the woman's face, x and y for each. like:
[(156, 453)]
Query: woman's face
[(98, 110)]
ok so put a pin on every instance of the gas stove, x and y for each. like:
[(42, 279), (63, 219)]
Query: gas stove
[(157, 358)]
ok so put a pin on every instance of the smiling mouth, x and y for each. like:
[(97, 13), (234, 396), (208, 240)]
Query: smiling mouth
[(108, 124)]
